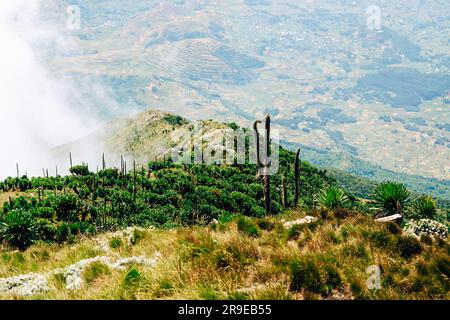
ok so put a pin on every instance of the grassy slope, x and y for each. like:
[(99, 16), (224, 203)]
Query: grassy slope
[(208, 262)]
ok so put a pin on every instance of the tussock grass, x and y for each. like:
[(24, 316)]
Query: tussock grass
[(252, 258)]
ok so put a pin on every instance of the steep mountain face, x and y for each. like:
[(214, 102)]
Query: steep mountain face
[(334, 82)]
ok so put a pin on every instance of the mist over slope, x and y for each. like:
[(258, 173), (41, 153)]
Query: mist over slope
[(38, 109)]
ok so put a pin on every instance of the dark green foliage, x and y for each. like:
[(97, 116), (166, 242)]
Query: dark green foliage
[(132, 278), (175, 120), (393, 228), (333, 197), (18, 229), (81, 170), (265, 224), (247, 226), (314, 276), (115, 243), (391, 198), (165, 194), (305, 274), (422, 208), (408, 246), (94, 271)]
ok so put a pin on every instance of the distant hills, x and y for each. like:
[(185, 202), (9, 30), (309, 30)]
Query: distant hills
[(378, 98), (153, 134)]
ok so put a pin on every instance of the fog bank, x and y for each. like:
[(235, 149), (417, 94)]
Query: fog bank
[(34, 111)]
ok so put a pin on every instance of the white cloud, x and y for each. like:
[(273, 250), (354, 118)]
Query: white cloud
[(34, 113)]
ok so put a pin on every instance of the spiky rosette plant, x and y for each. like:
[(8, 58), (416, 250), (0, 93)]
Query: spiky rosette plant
[(332, 197), (18, 229), (391, 198), (422, 208)]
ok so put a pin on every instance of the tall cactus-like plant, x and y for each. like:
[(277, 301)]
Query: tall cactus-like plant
[(284, 198), (264, 164), (297, 177), (103, 162)]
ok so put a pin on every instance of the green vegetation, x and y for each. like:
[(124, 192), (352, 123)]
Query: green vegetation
[(391, 198), (220, 261), (175, 120), (423, 208), (165, 194), (333, 197)]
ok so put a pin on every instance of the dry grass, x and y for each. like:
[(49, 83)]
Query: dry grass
[(225, 262)]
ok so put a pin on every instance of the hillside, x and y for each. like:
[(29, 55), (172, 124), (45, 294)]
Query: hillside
[(169, 230), (152, 134), (377, 95), (239, 258)]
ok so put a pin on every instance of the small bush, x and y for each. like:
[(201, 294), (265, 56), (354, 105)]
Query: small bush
[(381, 239), (314, 276), (426, 239), (265, 224), (94, 271), (422, 208), (19, 229), (246, 226), (408, 246), (165, 288), (81, 170), (342, 213), (132, 278), (391, 198), (393, 228), (333, 197), (305, 274), (63, 233), (295, 231), (137, 236), (115, 243), (442, 263)]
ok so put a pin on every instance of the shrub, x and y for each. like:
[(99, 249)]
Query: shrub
[(408, 246), (332, 197), (305, 274), (391, 198), (137, 236), (427, 227), (81, 170), (46, 230), (314, 276), (175, 120), (62, 232), (132, 278), (115, 243), (265, 224), (94, 270), (246, 226), (19, 229), (393, 228), (342, 213), (422, 208)]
